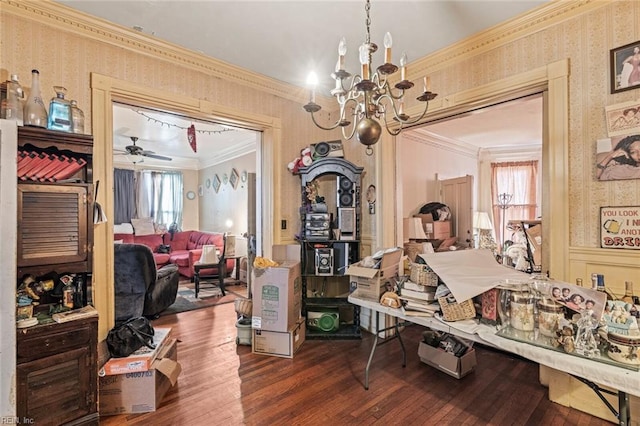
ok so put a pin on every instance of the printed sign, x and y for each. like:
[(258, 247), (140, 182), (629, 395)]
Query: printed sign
[(620, 227)]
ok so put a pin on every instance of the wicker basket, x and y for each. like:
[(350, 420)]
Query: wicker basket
[(454, 311), (423, 275), (244, 307)]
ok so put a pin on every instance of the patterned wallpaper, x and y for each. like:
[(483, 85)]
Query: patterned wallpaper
[(586, 39), (583, 31)]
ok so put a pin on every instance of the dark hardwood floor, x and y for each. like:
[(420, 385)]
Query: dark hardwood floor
[(222, 383)]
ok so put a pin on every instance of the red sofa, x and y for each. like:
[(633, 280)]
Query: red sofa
[(186, 249)]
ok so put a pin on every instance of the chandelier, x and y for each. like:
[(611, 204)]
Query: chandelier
[(366, 99)]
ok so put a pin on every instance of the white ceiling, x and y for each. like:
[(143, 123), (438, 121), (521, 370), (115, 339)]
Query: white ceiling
[(166, 134), (286, 40)]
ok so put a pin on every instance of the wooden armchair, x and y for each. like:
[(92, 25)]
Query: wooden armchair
[(212, 264)]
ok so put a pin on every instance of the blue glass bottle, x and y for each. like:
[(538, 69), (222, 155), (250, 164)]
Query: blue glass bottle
[(59, 111)]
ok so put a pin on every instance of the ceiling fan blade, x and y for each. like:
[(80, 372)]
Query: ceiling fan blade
[(156, 156)]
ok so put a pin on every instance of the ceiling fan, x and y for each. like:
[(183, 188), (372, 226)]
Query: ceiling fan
[(138, 151)]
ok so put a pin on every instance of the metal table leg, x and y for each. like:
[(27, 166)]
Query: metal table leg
[(396, 326), (624, 410)]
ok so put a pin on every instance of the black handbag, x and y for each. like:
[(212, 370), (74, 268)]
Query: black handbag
[(125, 339)]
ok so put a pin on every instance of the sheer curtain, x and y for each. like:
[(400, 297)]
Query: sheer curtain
[(159, 196), (124, 198), (519, 180)]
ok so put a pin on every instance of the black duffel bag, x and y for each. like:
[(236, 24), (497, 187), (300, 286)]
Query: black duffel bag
[(125, 339)]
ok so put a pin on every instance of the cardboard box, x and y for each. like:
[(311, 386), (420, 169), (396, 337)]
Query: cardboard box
[(435, 230), (447, 362), (570, 392), (368, 283), (276, 343), (140, 360), (140, 392), (277, 291)]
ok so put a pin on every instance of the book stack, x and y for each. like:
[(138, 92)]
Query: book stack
[(47, 167), (418, 300)]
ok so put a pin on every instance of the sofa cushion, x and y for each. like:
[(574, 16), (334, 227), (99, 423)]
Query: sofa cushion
[(151, 241), (161, 258), (125, 238), (179, 257), (177, 240)]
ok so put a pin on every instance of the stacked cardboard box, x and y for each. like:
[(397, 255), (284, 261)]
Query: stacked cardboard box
[(369, 283), (278, 328), (140, 391)]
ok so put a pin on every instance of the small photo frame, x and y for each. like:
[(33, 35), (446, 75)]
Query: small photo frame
[(200, 190), (623, 118), (625, 67), (234, 178), (216, 182)]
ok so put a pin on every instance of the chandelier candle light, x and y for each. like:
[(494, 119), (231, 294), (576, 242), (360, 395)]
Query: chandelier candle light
[(370, 97)]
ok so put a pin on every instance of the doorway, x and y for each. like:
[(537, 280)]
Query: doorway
[(551, 81), (105, 91)]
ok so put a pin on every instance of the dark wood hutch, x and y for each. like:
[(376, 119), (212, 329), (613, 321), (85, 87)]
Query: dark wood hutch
[(57, 371)]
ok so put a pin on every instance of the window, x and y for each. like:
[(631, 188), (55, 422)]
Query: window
[(515, 184), (160, 196), (146, 193)]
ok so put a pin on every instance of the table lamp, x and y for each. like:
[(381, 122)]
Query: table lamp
[(412, 229), (482, 223)]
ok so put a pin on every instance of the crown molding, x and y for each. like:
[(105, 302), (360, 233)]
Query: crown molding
[(538, 19), (238, 150), (511, 153), (70, 20), (67, 19), (446, 144)]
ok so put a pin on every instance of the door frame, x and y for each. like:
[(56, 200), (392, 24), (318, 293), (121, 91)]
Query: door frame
[(106, 90), (552, 81)]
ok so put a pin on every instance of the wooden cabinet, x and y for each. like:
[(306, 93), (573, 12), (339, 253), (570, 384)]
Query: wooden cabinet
[(56, 364), (325, 253), (57, 375), (55, 219)]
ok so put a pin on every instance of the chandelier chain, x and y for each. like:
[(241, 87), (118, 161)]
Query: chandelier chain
[(367, 8), (365, 99)]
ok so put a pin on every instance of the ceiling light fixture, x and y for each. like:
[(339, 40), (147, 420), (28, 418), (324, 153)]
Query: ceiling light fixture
[(135, 158), (369, 97)]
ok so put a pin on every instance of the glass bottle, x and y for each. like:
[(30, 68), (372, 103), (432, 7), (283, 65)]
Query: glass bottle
[(59, 111), (77, 118), (68, 293), (35, 113), (12, 108)]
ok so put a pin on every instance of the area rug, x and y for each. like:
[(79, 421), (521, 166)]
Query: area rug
[(209, 295)]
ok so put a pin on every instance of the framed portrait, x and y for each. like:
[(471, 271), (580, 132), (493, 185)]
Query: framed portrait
[(234, 177), (625, 67), (623, 118), (216, 182), (200, 190), (618, 158), (620, 227)]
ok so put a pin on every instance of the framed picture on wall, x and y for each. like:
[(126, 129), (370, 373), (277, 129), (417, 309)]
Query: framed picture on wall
[(233, 178), (623, 118), (617, 158), (200, 190), (625, 67), (216, 182)]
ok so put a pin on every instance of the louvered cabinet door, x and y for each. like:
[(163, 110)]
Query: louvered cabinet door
[(53, 225)]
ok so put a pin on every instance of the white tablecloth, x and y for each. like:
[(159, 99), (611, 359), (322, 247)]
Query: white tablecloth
[(615, 377)]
